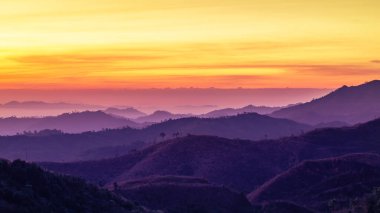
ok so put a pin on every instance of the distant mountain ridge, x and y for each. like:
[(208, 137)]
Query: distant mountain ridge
[(44, 105), (356, 104), (245, 126), (69, 122), (160, 116), (263, 110), (130, 113)]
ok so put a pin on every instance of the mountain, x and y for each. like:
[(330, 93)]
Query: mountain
[(62, 147), (237, 164), (245, 126), (27, 188), (160, 116), (356, 104), (42, 109), (130, 113), (263, 110), (109, 143), (68, 122), (240, 165), (176, 194), (316, 183)]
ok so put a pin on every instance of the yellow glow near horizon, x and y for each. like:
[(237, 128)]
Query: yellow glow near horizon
[(178, 43)]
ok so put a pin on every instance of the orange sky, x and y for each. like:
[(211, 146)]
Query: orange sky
[(73, 44)]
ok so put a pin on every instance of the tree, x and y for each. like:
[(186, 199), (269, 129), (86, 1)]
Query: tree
[(162, 135), (176, 134)]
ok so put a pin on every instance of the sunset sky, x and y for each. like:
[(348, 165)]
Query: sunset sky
[(89, 44)]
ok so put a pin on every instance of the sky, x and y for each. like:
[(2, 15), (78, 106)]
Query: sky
[(128, 44)]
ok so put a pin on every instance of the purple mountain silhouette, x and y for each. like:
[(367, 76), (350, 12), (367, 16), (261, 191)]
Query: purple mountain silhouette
[(247, 109), (160, 116), (130, 113), (116, 142), (43, 105), (68, 122), (356, 104)]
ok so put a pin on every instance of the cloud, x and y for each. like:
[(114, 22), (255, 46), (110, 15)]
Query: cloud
[(375, 61)]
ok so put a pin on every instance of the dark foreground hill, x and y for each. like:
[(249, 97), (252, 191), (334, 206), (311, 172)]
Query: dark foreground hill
[(356, 104), (27, 188), (175, 194), (117, 142), (281, 207), (238, 164), (316, 184)]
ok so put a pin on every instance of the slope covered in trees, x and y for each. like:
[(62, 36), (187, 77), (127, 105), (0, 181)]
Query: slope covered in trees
[(27, 188)]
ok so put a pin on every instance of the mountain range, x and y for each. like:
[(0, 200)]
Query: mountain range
[(69, 122), (344, 106), (256, 167), (263, 110), (44, 105), (218, 159), (160, 116), (320, 156), (115, 142), (130, 113)]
